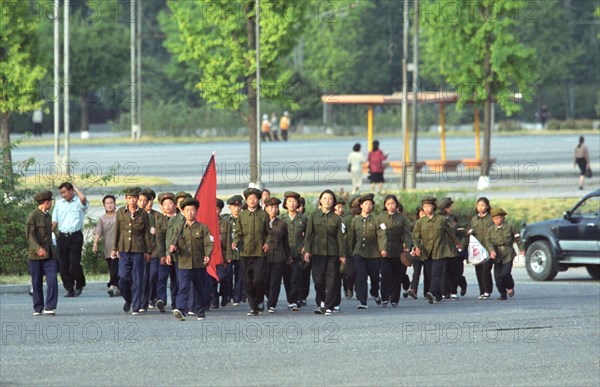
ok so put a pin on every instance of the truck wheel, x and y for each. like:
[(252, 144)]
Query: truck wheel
[(539, 262), (594, 271)]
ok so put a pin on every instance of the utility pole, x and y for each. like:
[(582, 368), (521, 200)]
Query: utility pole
[(57, 160), (133, 89), (67, 98), (139, 68), (257, 183), (415, 97), (404, 90)]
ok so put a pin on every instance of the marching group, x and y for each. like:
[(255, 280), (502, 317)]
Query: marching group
[(359, 254)]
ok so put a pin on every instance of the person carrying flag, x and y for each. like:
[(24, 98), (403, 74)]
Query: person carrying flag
[(193, 245)]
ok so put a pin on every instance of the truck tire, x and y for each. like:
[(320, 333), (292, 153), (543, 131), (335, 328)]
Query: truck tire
[(594, 271), (539, 262)]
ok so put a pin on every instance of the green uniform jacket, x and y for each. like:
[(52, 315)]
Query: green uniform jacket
[(279, 250), (230, 254), (296, 232), (480, 226), (155, 220), (194, 243), (501, 239), (398, 232), (432, 235), (451, 250), (174, 225), (39, 234), (324, 234), (132, 234), (223, 230), (366, 237), (253, 230), (161, 235)]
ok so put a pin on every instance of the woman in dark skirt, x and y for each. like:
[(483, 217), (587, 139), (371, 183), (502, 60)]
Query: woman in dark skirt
[(582, 159)]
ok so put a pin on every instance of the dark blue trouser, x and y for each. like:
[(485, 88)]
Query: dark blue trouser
[(255, 274), (367, 267), (131, 275), (38, 269), (164, 272), (503, 276), (238, 281), (222, 287), (325, 270), (437, 269), (150, 281), (192, 279)]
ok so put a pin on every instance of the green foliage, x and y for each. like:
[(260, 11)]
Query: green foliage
[(19, 73), (16, 204), (216, 39), (491, 62), (569, 125), (180, 119)]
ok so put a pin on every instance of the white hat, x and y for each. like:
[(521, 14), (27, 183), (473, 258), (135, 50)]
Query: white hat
[(285, 113), (265, 117)]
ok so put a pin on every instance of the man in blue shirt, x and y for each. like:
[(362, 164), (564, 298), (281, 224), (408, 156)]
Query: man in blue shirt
[(68, 215)]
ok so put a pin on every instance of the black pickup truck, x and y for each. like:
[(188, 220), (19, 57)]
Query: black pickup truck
[(573, 240)]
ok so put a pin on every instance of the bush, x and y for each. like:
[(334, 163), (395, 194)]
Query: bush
[(16, 204), (509, 126), (178, 119), (570, 125)]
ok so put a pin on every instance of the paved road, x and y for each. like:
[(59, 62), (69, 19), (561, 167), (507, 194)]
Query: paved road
[(546, 335), (526, 166)]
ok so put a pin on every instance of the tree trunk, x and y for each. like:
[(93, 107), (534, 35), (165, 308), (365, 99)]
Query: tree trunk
[(487, 138), (85, 114), (250, 82), (7, 169)]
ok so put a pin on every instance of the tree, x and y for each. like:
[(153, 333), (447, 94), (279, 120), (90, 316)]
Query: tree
[(473, 45), (217, 38), (19, 73)]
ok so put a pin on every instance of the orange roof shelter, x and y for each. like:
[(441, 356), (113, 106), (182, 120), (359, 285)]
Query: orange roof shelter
[(439, 97)]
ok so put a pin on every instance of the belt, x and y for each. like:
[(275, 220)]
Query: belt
[(68, 234)]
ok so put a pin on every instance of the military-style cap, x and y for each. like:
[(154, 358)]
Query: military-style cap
[(166, 195), (149, 193), (498, 212), (272, 201), (235, 199), (132, 191), (341, 201), (366, 197), (429, 200), (41, 197), (181, 194), (189, 202), (220, 203), (354, 201), (445, 202), (252, 191), (290, 194)]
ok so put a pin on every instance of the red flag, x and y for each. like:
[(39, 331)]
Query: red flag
[(207, 213)]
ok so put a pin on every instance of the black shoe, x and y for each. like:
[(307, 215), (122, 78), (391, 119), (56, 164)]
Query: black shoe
[(201, 316), (70, 294), (502, 298), (318, 311), (412, 294), (463, 286), (224, 302), (31, 292), (160, 305), (377, 299), (126, 307), (430, 298), (252, 313), (261, 307), (214, 306), (77, 292)]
